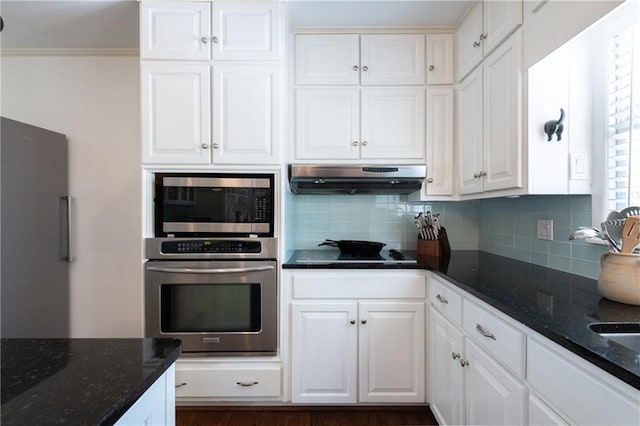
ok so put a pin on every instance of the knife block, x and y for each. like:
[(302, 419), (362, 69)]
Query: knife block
[(434, 248)]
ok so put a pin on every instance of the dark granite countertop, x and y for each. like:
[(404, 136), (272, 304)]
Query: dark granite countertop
[(78, 381), (556, 304)]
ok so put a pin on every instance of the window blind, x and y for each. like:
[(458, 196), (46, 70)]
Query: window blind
[(623, 145)]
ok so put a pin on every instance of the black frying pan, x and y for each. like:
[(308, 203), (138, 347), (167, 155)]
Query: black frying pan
[(355, 248)]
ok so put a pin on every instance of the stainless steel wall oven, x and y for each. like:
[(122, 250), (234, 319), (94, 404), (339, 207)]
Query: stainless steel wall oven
[(219, 296)]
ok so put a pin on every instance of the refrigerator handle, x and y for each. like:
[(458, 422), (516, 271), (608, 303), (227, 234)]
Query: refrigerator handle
[(68, 257)]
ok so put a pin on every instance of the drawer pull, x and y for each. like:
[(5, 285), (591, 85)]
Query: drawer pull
[(179, 385), (442, 299), (455, 355), (246, 384), (485, 333)]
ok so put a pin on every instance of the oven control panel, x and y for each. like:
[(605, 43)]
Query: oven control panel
[(211, 246)]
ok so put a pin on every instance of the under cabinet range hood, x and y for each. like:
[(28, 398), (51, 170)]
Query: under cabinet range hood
[(355, 179)]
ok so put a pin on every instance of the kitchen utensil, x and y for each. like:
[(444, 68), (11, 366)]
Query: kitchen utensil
[(612, 230), (630, 211), (619, 278), (585, 232), (630, 234), (356, 248)]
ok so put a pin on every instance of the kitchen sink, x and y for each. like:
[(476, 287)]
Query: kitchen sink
[(623, 333)]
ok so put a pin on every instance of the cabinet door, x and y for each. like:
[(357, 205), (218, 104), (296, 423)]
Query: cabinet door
[(501, 18), (540, 414), (324, 346), (445, 374), (503, 116), (468, 43), (392, 359), (393, 123), (327, 59), (246, 30), (439, 61), (245, 114), (439, 154), (470, 133), (175, 30), (327, 124), (492, 395), (175, 104), (392, 59)]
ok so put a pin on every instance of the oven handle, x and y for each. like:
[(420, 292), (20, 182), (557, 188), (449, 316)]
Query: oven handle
[(210, 271)]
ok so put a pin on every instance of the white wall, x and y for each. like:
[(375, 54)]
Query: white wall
[(94, 100)]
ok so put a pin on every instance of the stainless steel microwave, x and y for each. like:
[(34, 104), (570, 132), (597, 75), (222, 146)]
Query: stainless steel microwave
[(214, 205)]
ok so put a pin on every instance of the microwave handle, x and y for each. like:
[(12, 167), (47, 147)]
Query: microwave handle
[(210, 271)]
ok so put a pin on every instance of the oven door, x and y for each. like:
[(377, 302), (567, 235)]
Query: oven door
[(214, 307)]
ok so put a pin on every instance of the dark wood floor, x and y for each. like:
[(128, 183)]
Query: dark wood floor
[(304, 416)]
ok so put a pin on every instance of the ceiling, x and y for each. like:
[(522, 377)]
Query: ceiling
[(113, 24)]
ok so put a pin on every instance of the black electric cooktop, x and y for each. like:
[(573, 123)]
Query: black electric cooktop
[(334, 256)]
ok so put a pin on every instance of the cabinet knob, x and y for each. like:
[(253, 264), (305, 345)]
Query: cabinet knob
[(365, 143), (355, 68), (455, 355), (352, 322), (476, 175), (365, 68), (204, 40), (430, 180), (431, 67), (204, 146), (355, 143), (483, 36), (215, 146), (214, 39), (364, 321), (476, 44), (463, 363), (481, 174)]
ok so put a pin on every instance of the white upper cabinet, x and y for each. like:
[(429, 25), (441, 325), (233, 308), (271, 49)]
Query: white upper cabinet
[(197, 31), (351, 59), (246, 30), (245, 113), (175, 30), (483, 29), (331, 59), (439, 59), (176, 113), (470, 133), (392, 59), (439, 146)]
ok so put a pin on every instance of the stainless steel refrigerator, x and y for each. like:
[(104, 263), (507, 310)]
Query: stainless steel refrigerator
[(35, 225)]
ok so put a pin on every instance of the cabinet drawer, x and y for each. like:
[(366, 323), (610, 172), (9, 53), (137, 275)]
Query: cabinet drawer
[(200, 380), (504, 341), (445, 299), (585, 398), (343, 284)]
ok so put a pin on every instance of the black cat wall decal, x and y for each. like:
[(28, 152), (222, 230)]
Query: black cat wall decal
[(555, 126)]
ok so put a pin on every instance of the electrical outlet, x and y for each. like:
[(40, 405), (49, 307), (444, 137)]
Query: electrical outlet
[(545, 229)]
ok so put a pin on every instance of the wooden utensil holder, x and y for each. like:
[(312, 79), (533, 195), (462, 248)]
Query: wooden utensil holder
[(434, 248)]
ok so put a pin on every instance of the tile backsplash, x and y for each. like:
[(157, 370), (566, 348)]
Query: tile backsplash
[(503, 226)]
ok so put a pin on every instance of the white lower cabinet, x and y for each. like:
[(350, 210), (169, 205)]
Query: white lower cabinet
[(198, 380), (156, 406), (540, 414), (358, 341)]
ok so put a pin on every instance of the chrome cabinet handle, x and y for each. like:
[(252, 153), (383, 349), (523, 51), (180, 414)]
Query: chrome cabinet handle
[(179, 385), (214, 39), (442, 299), (431, 67), (204, 40), (365, 68), (246, 384), (455, 355), (485, 333), (355, 68), (463, 363)]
